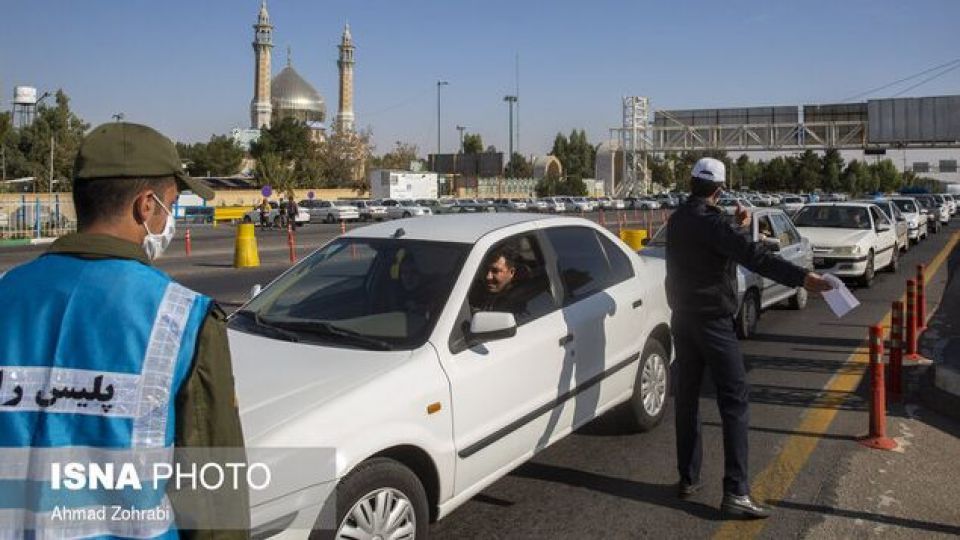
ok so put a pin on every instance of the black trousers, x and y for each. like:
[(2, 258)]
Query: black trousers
[(711, 342)]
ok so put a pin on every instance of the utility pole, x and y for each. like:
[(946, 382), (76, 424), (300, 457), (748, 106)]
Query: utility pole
[(510, 100), (439, 84), (460, 129), (51, 166)]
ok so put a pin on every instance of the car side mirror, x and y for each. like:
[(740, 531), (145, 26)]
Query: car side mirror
[(255, 290), (491, 326), (883, 227), (645, 242), (772, 243)]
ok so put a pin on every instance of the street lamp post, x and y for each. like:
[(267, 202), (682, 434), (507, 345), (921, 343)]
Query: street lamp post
[(439, 84), (510, 100)]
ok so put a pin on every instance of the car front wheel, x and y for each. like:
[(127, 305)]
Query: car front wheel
[(647, 404), (381, 498), (748, 315), (866, 279), (894, 261), (799, 300)]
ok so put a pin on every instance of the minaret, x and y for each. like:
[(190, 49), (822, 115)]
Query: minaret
[(260, 108), (345, 63)]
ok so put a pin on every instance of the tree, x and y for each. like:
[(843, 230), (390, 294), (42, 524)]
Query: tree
[(27, 150), (886, 176), (807, 171), (275, 171), (777, 174), (518, 167), (472, 143), (832, 169), (290, 138), (343, 158), (221, 156), (399, 158), (661, 169), (575, 153)]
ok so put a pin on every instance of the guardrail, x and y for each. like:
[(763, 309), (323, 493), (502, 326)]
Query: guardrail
[(230, 213), (26, 221)]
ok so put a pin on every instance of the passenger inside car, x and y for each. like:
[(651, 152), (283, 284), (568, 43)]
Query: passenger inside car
[(765, 228)]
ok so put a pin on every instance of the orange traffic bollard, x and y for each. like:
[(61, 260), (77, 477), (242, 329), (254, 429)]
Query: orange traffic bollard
[(921, 299), (186, 240), (877, 438), (895, 364), (911, 353), (292, 244)]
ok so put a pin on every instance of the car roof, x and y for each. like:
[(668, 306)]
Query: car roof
[(859, 204), (454, 227)]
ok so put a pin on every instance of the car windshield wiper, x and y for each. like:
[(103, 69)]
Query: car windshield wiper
[(279, 332), (328, 330)]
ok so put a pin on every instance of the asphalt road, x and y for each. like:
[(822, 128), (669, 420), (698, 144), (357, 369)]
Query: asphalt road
[(602, 482)]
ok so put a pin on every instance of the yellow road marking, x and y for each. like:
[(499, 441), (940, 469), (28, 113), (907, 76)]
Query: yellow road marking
[(774, 481)]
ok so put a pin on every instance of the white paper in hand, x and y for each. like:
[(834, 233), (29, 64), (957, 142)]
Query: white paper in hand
[(839, 298)]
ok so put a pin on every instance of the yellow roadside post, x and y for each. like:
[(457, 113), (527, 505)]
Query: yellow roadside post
[(633, 238), (245, 254)]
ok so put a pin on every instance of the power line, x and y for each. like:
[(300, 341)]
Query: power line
[(905, 79), (925, 81)]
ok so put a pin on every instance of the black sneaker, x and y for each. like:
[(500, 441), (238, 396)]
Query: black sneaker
[(685, 490), (743, 506)]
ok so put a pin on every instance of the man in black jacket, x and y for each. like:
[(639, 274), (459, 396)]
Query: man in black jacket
[(702, 254)]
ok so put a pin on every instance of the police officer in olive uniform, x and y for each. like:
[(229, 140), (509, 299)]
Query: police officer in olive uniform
[(150, 357), (702, 252)]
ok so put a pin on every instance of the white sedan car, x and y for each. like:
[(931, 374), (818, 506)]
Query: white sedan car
[(555, 205), (330, 211), (384, 347), (849, 239), (404, 208), (916, 219), (273, 216)]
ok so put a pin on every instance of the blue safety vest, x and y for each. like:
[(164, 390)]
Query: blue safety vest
[(92, 355)]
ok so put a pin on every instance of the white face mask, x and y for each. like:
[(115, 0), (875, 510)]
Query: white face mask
[(155, 244)]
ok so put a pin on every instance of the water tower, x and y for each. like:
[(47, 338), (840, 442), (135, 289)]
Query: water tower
[(24, 105)]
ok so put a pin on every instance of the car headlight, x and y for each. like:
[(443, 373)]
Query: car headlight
[(846, 250)]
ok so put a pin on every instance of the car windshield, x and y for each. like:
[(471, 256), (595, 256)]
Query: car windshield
[(836, 217), (792, 200), (378, 294), (408, 203), (905, 205)]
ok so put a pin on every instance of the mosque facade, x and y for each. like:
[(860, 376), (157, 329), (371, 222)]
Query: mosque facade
[(289, 94)]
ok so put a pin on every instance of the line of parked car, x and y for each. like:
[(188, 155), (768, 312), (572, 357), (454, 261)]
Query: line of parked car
[(325, 211)]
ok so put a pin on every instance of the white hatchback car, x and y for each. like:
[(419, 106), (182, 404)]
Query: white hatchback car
[(849, 239), (377, 346)]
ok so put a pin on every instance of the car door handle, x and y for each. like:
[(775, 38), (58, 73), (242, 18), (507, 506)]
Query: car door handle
[(566, 339), (637, 303)]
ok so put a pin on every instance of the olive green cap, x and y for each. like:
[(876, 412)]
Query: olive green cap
[(122, 150)]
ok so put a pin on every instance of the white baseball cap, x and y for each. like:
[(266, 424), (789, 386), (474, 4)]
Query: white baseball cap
[(711, 170)]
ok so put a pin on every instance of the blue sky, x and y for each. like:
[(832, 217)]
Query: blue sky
[(185, 67)]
